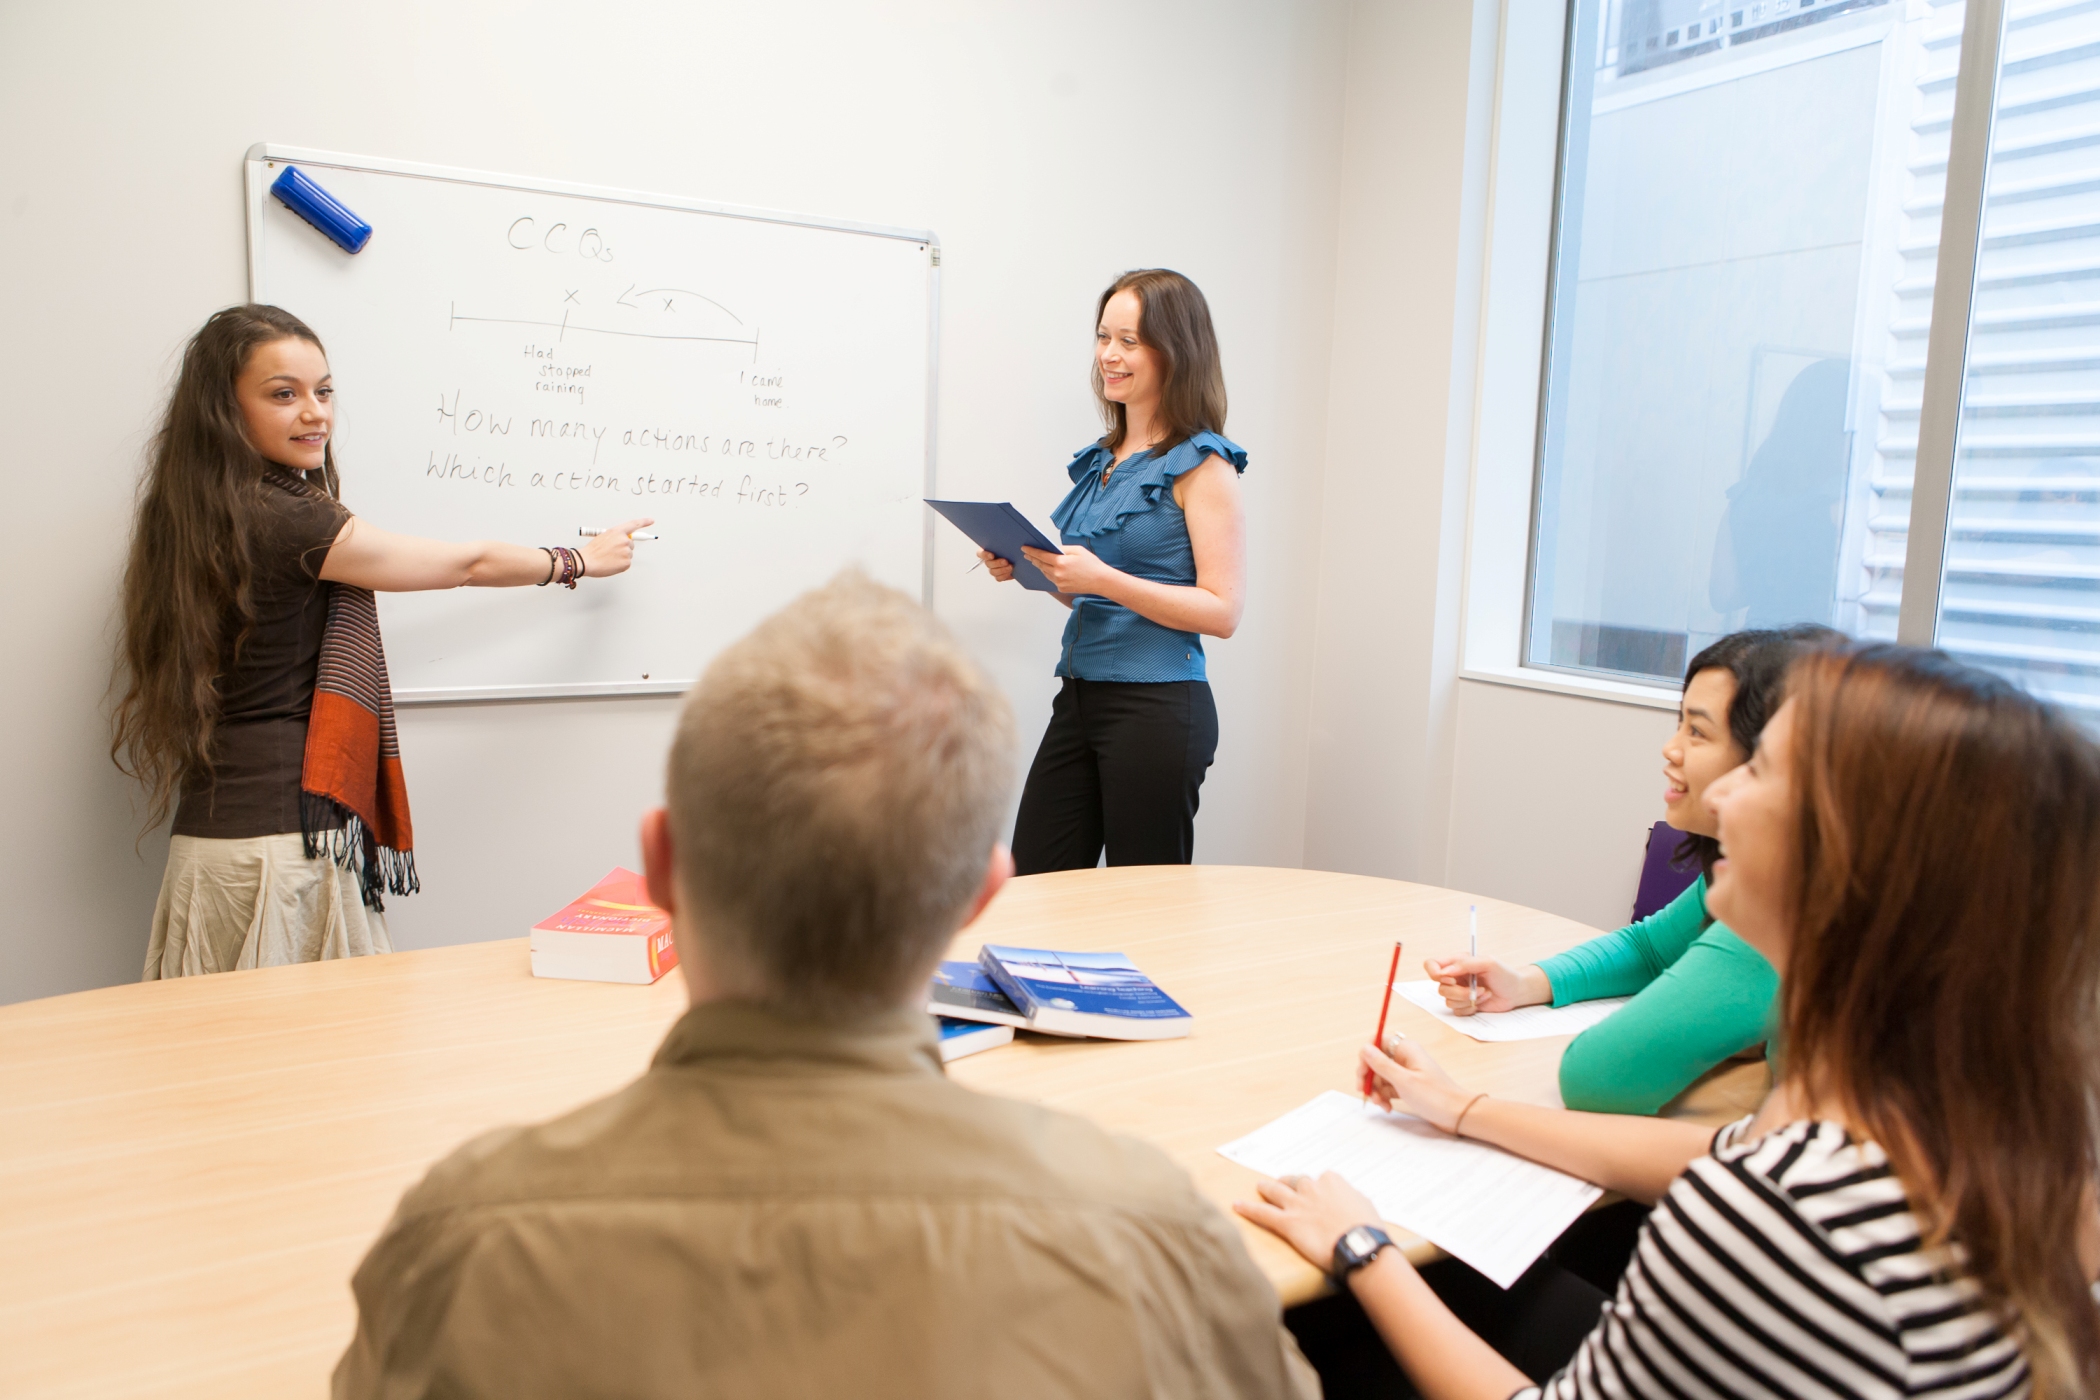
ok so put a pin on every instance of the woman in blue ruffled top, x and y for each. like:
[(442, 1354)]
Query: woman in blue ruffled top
[(1154, 560)]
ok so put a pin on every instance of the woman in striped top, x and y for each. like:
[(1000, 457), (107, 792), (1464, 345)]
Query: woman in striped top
[(1915, 845)]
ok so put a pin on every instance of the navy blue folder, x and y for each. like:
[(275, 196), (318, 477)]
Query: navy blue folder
[(998, 527)]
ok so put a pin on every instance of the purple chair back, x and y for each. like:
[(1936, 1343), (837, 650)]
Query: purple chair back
[(1662, 880)]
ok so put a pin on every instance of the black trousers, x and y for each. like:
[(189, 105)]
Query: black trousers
[(1120, 765), (1536, 1325)]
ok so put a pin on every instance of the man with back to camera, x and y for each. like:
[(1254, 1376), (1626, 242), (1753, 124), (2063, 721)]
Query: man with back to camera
[(794, 1200)]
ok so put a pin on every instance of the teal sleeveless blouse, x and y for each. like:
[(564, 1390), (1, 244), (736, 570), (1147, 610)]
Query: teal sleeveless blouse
[(1131, 523)]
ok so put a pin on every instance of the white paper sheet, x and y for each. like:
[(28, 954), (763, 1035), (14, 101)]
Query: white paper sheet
[(1494, 1210), (1524, 1023)]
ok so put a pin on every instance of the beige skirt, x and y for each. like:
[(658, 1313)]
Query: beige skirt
[(226, 906)]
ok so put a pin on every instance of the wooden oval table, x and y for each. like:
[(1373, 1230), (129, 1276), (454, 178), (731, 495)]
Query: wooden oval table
[(190, 1170)]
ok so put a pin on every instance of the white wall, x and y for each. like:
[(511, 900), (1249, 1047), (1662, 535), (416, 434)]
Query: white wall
[(1051, 146), (1323, 171)]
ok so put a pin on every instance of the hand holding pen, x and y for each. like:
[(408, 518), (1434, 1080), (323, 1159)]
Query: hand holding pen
[(1472, 983), (611, 551)]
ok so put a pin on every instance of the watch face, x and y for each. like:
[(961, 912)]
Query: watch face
[(1358, 1240)]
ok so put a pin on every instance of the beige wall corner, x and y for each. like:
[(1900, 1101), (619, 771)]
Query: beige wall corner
[(1417, 142)]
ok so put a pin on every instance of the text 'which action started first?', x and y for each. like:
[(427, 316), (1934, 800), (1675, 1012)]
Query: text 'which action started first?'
[(457, 469)]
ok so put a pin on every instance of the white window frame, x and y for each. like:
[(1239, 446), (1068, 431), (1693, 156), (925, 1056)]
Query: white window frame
[(1523, 191)]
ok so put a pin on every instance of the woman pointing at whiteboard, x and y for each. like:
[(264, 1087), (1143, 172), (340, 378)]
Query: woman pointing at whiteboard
[(254, 692), (1154, 560)]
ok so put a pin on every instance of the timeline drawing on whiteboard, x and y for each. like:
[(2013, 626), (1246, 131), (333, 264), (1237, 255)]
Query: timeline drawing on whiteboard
[(572, 301)]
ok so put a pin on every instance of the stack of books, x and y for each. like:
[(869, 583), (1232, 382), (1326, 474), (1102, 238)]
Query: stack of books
[(1102, 995), (970, 1010)]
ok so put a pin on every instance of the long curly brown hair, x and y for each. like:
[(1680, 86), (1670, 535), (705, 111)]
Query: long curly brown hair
[(186, 603)]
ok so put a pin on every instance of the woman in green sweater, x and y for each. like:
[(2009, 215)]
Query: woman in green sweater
[(1700, 994)]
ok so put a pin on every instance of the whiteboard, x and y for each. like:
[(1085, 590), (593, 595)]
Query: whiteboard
[(518, 359)]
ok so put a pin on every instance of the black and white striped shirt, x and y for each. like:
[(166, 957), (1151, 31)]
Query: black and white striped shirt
[(1790, 1266)]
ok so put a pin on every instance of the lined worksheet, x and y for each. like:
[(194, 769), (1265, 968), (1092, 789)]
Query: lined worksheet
[(1490, 1208), (1524, 1023)]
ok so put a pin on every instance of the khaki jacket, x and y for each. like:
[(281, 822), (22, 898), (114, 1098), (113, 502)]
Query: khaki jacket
[(780, 1209)]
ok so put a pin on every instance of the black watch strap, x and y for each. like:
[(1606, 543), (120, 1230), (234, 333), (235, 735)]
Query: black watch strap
[(1356, 1248)]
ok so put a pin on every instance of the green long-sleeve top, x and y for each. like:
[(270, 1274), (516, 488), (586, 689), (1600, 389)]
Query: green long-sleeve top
[(1700, 994)]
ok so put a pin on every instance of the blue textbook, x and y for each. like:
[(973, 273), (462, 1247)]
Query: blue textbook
[(1097, 994), (997, 527), (962, 991), (960, 1038)]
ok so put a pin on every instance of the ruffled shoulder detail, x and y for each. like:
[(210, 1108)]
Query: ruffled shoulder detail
[(1088, 458), (1203, 445), (1137, 486)]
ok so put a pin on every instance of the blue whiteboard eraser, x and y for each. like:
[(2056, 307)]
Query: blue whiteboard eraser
[(296, 189)]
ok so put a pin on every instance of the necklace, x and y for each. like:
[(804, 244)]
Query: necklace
[(1110, 469)]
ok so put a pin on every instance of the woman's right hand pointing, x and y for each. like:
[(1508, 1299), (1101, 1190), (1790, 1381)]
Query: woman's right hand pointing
[(613, 552)]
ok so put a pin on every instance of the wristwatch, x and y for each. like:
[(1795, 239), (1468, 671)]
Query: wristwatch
[(1355, 1249)]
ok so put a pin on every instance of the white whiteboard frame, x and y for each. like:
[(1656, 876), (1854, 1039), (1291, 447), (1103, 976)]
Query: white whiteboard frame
[(263, 154)]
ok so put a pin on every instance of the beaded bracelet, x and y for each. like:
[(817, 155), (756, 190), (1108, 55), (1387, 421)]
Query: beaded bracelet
[(565, 561)]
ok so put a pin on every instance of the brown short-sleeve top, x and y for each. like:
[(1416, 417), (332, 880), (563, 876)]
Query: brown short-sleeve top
[(267, 691)]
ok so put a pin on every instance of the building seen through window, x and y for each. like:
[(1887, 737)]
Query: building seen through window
[(1745, 250)]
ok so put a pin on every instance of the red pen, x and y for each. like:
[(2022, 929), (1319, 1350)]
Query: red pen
[(1378, 1036)]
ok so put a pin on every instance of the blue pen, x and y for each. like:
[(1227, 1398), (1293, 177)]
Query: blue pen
[(323, 210)]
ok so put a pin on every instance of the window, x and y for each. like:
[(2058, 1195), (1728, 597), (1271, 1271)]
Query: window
[(1746, 241), (2020, 589), (1743, 270)]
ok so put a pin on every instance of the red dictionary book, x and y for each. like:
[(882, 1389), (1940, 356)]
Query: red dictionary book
[(612, 934)]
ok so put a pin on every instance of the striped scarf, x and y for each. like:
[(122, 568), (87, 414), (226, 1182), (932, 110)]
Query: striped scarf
[(353, 802)]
